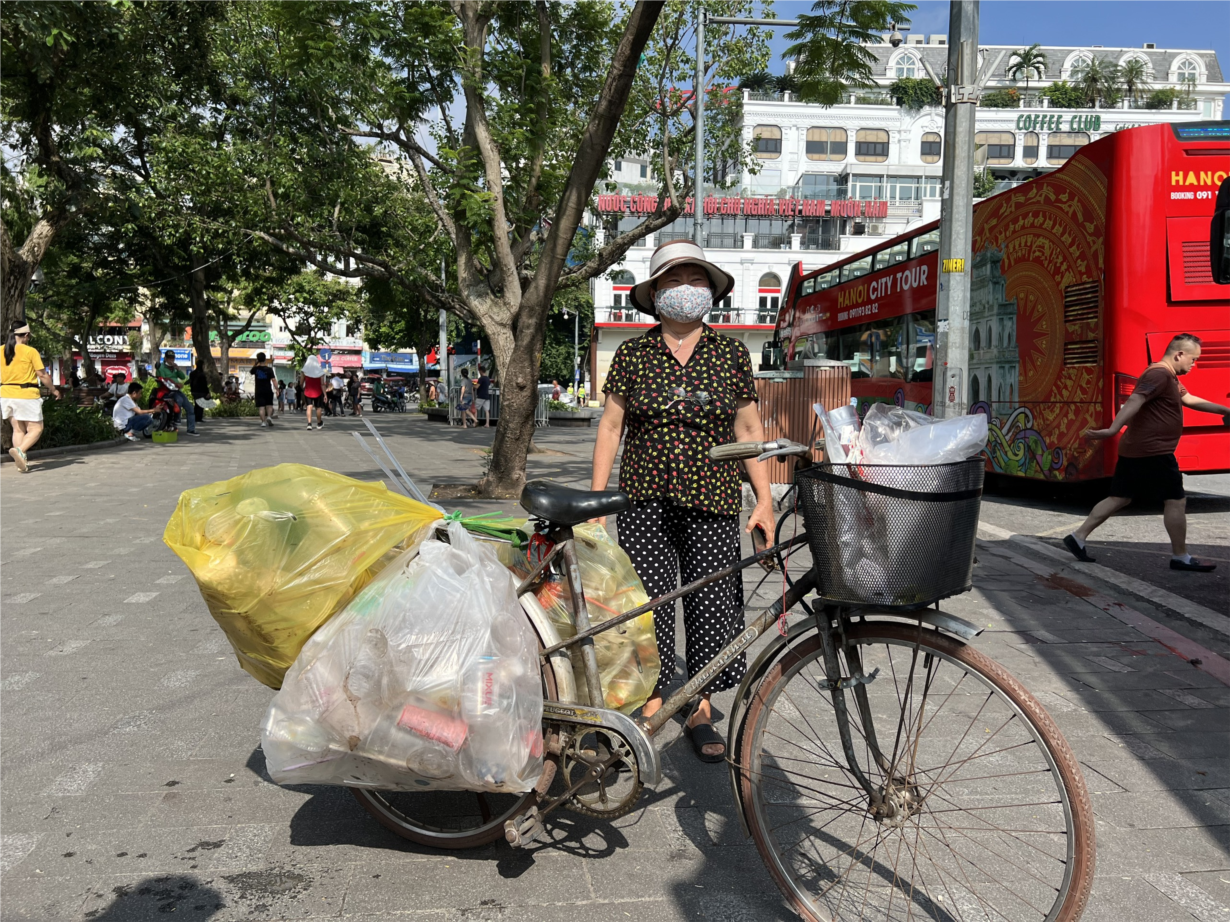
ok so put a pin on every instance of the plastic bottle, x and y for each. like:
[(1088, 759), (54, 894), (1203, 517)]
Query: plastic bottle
[(845, 421)]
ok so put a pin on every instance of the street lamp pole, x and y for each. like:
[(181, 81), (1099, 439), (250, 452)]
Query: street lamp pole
[(950, 371), (442, 361), (576, 354)]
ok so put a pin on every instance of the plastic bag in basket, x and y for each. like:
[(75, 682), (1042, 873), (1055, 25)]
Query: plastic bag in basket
[(628, 654), (278, 550), (428, 680)]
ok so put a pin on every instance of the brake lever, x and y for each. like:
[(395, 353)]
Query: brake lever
[(791, 448)]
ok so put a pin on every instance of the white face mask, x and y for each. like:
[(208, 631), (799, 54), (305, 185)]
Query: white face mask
[(684, 303)]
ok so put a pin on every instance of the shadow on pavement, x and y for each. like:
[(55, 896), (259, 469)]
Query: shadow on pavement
[(160, 897)]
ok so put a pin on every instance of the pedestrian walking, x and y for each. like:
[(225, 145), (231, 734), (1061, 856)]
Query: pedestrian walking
[(21, 401), (264, 376), (281, 396), (299, 390), (356, 396), (482, 399), (173, 376), (1147, 469), (465, 400), (198, 387), (314, 391), (675, 392), (556, 393), (336, 393)]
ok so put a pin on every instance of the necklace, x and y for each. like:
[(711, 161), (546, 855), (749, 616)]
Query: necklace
[(682, 339)]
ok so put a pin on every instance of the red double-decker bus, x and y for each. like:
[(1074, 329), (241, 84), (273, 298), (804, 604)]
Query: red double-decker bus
[(1079, 280)]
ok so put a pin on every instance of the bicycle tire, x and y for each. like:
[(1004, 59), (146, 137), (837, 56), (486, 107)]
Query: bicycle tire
[(433, 808), (947, 891)]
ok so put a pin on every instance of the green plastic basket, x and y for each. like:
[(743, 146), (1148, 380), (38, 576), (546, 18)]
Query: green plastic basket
[(171, 436)]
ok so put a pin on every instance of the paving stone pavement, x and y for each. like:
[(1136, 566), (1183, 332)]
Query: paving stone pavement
[(132, 785)]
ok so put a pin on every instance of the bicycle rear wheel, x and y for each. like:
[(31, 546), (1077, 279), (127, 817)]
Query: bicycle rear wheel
[(450, 819), (990, 819)]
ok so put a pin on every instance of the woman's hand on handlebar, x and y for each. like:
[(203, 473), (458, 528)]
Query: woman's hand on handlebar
[(762, 516)]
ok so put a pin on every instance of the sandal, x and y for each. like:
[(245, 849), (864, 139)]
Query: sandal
[(703, 735)]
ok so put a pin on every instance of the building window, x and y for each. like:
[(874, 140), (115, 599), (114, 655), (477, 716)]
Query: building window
[(621, 288), (871, 145), (932, 147), (977, 340), (644, 171), (1076, 70), (931, 186), (866, 187), (768, 141), (1060, 145), (619, 165), (903, 188), (826, 144), (770, 294), (907, 66), (1029, 150), (817, 185), (1186, 71), (994, 148)]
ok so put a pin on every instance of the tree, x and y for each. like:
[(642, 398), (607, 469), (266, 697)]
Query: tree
[(1028, 62), (80, 81), (830, 45), (1134, 75), (916, 93), (1064, 95), (1100, 81)]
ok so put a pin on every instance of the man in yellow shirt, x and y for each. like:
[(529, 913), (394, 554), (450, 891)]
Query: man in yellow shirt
[(21, 370)]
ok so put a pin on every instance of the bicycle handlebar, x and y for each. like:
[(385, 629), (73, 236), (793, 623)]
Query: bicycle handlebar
[(740, 451)]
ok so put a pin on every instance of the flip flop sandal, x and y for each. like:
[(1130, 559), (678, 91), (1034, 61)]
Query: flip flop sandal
[(703, 735)]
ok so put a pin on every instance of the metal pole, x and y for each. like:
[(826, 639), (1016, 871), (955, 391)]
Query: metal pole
[(576, 355), (698, 91), (443, 352), (949, 395)]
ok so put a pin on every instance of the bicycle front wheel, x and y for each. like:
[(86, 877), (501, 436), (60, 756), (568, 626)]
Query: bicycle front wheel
[(980, 811)]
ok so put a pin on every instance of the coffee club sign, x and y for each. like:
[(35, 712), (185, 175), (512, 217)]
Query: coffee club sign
[(751, 207), (1054, 121), (248, 336)]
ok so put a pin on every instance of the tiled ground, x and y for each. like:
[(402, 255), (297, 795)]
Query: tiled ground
[(133, 786)]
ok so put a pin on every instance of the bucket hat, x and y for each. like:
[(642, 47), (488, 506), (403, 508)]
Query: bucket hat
[(677, 253)]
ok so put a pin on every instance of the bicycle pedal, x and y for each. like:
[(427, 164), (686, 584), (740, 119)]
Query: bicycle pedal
[(524, 829)]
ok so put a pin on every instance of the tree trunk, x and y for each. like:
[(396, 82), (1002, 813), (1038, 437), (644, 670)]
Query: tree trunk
[(518, 358), (224, 349), (423, 346), (200, 328), (17, 266)]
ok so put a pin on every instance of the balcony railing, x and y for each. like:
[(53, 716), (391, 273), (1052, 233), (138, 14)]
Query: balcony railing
[(720, 317), (822, 242)]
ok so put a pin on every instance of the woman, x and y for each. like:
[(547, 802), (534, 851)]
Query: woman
[(677, 391), (356, 396), (265, 378), (314, 391), (21, 370), (198, 385)]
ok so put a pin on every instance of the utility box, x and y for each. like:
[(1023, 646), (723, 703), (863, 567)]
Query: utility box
[(786, 399)]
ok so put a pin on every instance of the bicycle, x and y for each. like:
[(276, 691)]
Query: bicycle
[(883, 767)]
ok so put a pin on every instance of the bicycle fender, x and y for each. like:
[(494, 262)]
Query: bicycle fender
[(548, 635)]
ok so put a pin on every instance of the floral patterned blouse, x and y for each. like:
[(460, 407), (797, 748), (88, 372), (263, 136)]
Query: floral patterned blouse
[(675, 413)]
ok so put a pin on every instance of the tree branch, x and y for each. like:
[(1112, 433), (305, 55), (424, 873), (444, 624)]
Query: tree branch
[(614, 251)]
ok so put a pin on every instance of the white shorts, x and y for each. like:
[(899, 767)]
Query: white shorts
[(27, 409), (482, 403)]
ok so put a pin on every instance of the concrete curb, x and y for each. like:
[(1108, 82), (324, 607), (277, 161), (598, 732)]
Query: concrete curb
[(6, 458)]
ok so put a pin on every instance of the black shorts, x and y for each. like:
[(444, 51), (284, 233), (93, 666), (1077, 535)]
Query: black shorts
[(1155, 478), (264, 398), (317, 402)]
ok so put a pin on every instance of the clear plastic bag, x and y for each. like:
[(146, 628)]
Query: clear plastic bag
[(275, 552), (893, 435), (628, 654), (428, 680)]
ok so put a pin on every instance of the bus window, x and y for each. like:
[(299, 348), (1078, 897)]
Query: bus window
[(809, 286), (828, 280), (920, 347), (926, 243), (890, 257), (856, 269)]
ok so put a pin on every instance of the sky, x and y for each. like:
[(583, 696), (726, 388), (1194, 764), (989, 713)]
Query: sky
[(1200, 25)]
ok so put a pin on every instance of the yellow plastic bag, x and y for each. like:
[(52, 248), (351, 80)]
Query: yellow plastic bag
[(279, 550), (628, 654)]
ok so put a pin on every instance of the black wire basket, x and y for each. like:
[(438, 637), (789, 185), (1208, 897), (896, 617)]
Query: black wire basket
[(895, 536)]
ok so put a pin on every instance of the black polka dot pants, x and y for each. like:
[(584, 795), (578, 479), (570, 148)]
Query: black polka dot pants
[(666, 543)]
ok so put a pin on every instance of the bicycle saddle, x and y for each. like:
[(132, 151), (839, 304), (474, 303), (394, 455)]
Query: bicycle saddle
[(562, 505)]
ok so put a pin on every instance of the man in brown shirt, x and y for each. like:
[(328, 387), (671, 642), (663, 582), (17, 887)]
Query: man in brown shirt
[(1147, 468)]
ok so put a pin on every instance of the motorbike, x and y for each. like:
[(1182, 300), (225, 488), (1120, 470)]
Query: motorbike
[(165, 402), (388, 403)]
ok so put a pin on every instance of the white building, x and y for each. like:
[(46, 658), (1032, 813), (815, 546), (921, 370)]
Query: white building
[(834, 181)]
